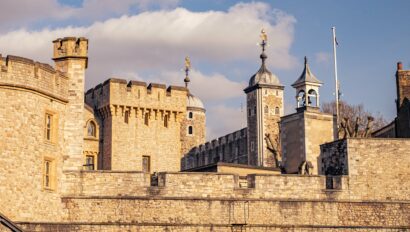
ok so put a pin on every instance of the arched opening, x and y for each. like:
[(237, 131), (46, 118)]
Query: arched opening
[(190, 115), (277, 110), (190, 130), (312, 98), (266, 109), (300, 99), (91, 129)]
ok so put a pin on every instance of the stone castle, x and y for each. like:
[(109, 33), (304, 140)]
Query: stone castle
[(132, 156)]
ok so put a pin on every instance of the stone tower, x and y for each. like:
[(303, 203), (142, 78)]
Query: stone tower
[(303, 132), (70, 57), (403, 102), (264, 99), (193, 128)]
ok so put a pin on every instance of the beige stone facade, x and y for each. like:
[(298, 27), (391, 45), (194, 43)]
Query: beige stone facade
[(85, 162)]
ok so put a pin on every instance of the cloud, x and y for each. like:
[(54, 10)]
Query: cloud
[(152, 45), (23, 13), (323, 57), (227, 118), (209, 88)]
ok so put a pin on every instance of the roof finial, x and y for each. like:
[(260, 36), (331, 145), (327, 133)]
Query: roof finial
[(264, 38), (263, 44), (306, 60), (187, 69)]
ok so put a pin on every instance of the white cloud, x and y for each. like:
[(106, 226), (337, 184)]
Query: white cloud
[(224, 119), (323, 57), (153, 44)]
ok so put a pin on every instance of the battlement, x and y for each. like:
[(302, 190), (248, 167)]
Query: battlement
[(22, 73), (119, 93), (231, 148), (70, 47)]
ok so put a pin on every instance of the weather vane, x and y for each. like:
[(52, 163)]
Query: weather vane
[(187, 69), (264, 38)]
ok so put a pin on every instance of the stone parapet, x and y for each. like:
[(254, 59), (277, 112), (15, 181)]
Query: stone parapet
[(28, 75)]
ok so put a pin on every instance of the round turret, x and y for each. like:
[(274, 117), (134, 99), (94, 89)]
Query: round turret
[(194, 102)]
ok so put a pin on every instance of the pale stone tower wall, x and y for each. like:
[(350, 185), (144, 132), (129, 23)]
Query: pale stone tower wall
[(197, 122), (28, 91), (264, 109), (124, 110), (70, 57), (302, 133)]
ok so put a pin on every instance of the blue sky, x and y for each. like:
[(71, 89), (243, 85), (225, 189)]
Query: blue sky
[(147, 40)]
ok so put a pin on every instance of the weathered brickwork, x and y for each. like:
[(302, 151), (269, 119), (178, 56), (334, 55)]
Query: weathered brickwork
[(300, 145), (140, 121), (197, 122), (376, 167), (230, 148)]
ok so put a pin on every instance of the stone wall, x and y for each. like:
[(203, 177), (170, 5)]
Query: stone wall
[(377, 168), (197, 122), (133, 117), (302, 133), (23, 148), (224, 214), (230, 148)]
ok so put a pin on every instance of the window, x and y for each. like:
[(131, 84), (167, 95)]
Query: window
[(126, 116), (90, 162), (252, 146), (249, 112), (190, 115), (190, 130), (146, 119), (49, 126), (166, 121), (254, 110), (91, 129), (146, 164), (48, 174), (277, 93), (266, 109), (276, 110)]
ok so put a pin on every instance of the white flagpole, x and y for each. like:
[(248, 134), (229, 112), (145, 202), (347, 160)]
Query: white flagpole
[(336, 81)]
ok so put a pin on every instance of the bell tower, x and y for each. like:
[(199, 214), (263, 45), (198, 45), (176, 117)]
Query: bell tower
[(264, 100), (307, 88)]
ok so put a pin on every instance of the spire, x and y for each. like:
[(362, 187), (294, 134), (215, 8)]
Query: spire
[(187, 69)]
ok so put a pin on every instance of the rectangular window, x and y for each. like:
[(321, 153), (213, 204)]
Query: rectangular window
[(49, 126), (90, 162), (48, 174), (252, 146), (146, 164)]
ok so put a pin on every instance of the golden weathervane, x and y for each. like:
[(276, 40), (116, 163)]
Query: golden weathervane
[(187, 68)]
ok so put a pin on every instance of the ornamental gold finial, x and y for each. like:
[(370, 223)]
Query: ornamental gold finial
[(187, 68), (264, 38)]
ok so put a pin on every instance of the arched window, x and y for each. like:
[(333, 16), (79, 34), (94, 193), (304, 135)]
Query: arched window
[(312, 98), (190, 130), (91, 129), (190, 115), (277, 110), (166, 121), (146, 119), (266, 109), (301, 99)]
